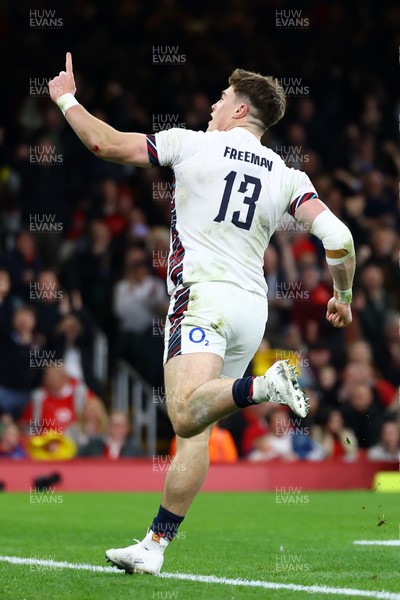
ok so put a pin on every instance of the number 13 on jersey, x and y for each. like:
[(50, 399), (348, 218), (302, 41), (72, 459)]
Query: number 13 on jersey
[(249, 200)]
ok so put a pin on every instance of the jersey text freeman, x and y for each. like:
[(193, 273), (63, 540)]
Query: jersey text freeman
[(248, 157)]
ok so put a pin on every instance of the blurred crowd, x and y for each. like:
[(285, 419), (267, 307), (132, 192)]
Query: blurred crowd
[(84, 243)]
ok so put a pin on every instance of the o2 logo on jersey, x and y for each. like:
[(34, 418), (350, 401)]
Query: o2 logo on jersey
[(197, 335)]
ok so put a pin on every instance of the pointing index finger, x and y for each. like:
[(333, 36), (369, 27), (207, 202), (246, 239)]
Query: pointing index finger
[(68, 62)]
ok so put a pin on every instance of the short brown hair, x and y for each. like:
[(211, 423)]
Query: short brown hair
[(265, 93)]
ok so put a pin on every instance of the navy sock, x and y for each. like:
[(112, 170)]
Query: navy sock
[(166, 523), (242, 391)]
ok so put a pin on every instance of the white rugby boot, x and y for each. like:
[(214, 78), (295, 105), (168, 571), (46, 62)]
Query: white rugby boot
[(146, 556), (280, 385)]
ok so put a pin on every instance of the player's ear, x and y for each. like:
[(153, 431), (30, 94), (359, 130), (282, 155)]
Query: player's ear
[(241, 111)]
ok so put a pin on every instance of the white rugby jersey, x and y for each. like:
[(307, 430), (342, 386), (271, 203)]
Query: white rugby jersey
[(230, 194)]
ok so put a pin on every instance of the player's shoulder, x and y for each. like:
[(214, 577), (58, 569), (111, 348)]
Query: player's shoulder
[(179, 133)]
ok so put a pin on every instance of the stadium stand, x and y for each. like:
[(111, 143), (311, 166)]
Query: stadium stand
[(76, 233)]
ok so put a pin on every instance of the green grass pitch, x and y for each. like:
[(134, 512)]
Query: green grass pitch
[(305, 539)]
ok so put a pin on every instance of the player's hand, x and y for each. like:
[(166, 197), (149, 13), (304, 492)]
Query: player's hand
[(338, 314), (64, 83)]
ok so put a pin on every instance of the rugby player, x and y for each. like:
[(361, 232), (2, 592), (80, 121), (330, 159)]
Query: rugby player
[(230, 194)]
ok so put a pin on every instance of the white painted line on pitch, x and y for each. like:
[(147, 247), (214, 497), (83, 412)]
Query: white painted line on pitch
[(16, 560), (378, 542), (310, 589)]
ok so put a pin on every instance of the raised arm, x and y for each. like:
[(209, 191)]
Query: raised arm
[(340, 256), (101, 139)]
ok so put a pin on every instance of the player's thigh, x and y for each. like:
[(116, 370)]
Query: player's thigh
[(247, 315), (183, 374)]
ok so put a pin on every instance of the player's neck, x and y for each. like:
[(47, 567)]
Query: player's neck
[(251, 128)]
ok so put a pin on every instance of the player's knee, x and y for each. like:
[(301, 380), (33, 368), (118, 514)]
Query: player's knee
[(184, 427)]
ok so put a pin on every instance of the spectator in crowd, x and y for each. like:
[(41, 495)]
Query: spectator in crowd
[(309, 305), (157, 246), (333, 437), (280, 275), (49, 301), (384, 253), (389, 361), (138, 227), (24, 264), (372, 304), (92, 422), (381, 200), (19, 362), (363, 415), (362, 372), (361, 352), (90, 270), (140, 302), (353, 374), (257, 427), (118, 442), (73, 344), (8, 303), (43, 179), (57, 403), (277, 443), (113, 217), (329, 385), (10, 440), (389, 443)]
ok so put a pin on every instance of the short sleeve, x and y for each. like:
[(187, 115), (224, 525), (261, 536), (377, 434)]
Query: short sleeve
[(298, 189), (169, 148)]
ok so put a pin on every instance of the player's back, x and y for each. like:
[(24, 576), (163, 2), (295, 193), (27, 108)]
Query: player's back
[(230, 194)]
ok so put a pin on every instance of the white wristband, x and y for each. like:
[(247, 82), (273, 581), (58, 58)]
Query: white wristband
[(344, 296), (65, 102)]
